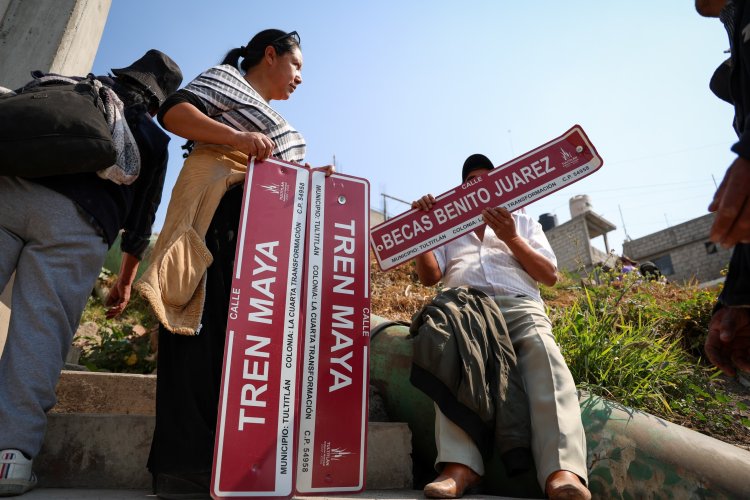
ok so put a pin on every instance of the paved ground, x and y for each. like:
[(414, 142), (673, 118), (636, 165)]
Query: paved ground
[(81, 494)]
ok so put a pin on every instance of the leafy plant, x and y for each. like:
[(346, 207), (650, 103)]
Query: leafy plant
[(117, 348), (122, 344)]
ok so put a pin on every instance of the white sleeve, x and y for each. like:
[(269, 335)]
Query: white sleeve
[(439, 254), (532, 231)]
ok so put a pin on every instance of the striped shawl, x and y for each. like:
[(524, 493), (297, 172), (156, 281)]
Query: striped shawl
[(230, 100)]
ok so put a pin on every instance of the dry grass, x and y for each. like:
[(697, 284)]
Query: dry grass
[(397, 294)]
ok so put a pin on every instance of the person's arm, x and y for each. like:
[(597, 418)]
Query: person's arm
[(152, 144), (119, 294), (186, 120), (148, 188), (537, 265), (731, 202), (428, 270)]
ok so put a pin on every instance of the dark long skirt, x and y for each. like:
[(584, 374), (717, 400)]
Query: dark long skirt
[(189, 367)]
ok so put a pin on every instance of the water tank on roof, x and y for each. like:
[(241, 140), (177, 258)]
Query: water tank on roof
[(548, 221), (579, 205)]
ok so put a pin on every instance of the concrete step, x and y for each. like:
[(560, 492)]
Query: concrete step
[(106, 393), (110, 451), (99, 436), (109, 494)]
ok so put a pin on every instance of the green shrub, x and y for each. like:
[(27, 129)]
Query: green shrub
[(639, 343), (121, 344), (117, 348)]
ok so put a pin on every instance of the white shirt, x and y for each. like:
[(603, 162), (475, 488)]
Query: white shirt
[(489, 265)]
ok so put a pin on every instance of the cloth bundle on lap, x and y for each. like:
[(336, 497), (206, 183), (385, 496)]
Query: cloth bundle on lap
[(464, 361)]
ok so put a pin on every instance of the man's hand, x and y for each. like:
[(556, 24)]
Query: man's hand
[(501, 222), (119, 294), (728, 342), (732, 206), (118, 298), (424, 203)]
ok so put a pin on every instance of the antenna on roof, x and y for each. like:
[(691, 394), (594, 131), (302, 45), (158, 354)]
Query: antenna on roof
[(627, 236)]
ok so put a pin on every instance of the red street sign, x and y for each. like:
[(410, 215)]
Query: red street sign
[(267, 445), (530, 177), (335, 361), (254, 450)]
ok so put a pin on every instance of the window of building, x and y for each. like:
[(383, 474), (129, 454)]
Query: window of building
[(664, 263), (711, 247)]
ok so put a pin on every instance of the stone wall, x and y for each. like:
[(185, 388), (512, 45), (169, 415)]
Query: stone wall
[(571, 244), (682, 252)]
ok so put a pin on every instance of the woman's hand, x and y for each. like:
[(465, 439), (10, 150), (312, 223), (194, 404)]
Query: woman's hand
[(253, 144), (328, 169), (189, 122)]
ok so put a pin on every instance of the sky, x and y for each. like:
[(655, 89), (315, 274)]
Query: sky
[(400, 92)]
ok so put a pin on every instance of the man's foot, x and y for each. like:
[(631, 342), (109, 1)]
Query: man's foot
[(453, 482), (182, 486), (16, 477), (564, 485)]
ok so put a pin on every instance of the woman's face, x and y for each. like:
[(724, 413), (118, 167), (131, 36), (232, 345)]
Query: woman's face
[(286, 74)]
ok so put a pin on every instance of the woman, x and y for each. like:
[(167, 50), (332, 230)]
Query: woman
[(225, 114)]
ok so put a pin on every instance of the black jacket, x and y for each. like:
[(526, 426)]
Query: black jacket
[(113, 207), (464, 361)]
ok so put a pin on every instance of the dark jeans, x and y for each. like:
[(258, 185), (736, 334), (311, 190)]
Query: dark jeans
[(189, 367), (736, 290)]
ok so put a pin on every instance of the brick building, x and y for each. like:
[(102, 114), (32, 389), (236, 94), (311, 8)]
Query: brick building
[(682, 252), (571, 242)]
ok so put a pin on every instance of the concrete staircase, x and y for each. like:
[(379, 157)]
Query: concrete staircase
[(99, 436)]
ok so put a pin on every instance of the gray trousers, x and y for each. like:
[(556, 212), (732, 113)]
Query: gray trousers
[(57, 255), (558, 441)]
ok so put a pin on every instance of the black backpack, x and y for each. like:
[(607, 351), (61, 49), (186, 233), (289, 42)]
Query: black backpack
[(54, 129)]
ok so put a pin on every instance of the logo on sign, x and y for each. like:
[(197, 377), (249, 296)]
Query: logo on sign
[(281, 189), (329, 454), (339, 453), (569, 160)]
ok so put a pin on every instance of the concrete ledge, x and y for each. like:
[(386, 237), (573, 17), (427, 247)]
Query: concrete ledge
[(106, 393), (95, 451), (388, 456), (123, 494), (110, 452)]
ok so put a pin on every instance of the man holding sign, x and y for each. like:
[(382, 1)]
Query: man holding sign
[(507, 259)]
